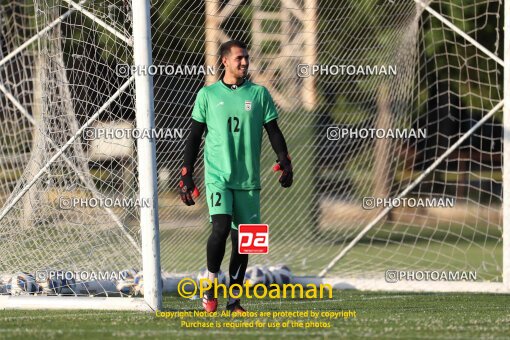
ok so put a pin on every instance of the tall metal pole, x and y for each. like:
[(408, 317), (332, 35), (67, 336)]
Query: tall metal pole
[(506, 151), (212, 38), (149, 222), (309, 90)]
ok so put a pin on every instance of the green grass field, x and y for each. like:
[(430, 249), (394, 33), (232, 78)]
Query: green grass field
[(378, 315)]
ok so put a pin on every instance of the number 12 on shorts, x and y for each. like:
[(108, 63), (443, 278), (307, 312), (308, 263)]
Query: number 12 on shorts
[(253, 239)]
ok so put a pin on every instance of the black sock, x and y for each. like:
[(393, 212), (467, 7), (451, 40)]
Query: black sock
[(221, 225), (238, 262)]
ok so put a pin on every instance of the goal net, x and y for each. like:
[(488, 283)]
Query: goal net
[(378, 100), (392, 111), (70, 218)]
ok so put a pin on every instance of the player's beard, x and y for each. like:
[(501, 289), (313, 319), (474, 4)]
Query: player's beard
[(238, 73), (243, 72)]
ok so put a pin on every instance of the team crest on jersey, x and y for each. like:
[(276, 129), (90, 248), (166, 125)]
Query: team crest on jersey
[(247, 105)]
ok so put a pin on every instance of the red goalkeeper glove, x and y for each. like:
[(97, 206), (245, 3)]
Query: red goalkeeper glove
[(284, 165), (188, 190)]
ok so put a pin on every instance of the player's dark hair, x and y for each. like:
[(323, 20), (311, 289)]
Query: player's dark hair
[(226, 46)]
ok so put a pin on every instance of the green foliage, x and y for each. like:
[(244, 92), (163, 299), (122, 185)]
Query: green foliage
[(478, 79), (178, 30)]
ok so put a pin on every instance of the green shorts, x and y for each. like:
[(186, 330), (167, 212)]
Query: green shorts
[(242, 205)]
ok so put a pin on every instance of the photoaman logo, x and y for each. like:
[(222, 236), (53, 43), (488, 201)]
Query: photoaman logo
[(253, 239), (188, 288)]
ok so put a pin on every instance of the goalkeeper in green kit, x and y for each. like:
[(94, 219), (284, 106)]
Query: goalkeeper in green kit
[(233, 112)]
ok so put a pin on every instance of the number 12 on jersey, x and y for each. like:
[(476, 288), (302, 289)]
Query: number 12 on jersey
[(233, 124)]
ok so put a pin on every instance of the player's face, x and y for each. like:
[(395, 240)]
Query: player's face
[(237, 62)]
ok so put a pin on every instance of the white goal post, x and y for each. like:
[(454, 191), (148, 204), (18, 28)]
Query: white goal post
[(149, 222), (149, 219), (148, 213)]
